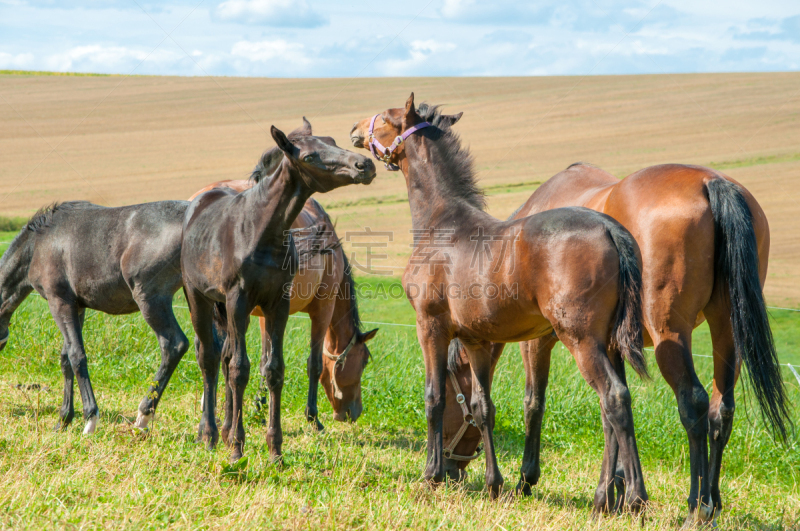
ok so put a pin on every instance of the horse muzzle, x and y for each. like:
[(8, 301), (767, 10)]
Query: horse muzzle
[(356, 137), (350, 414)]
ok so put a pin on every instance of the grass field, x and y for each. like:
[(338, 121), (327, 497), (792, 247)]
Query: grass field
[(366, 475), (117, 140)]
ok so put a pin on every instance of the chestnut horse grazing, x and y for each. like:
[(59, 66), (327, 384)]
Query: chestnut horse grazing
[(237, 253), (324, 289), (705, 242), (482, 280)]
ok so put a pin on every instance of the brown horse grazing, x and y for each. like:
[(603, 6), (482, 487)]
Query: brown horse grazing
[(483, 280), (324, 289), (237, 253), (704, 241)]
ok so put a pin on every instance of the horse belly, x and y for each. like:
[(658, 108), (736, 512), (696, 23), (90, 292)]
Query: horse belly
[(305, 286)]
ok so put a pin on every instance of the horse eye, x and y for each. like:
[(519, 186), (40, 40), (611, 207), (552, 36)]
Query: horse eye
[(309, 158)]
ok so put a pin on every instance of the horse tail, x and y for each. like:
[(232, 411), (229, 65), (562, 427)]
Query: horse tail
[(626, 336), (736, 265)]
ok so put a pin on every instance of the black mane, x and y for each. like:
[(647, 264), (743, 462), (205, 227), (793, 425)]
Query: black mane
[(266, 165), (459, 172), (349, 285), (44, 216)]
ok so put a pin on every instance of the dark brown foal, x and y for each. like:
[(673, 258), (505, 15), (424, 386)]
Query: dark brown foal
[(237, 254)]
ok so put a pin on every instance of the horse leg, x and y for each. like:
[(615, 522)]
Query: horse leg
[(434, 350), (70, 322), (314, 370), (208, 356), (674, 357), (612, 472), (536, 357), (721, 410), (483, 410), (67, 411), (227, 420), (263, 390), (272, 370), (158, 314), (238, 368), (615, 401)]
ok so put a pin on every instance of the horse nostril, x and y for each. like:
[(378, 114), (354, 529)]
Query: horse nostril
[(353, 128), (360, 166)]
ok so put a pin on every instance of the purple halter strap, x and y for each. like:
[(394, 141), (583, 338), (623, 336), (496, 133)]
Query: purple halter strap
[(384, 154)]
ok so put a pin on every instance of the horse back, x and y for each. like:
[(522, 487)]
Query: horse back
[(578, 185), (101, 258)]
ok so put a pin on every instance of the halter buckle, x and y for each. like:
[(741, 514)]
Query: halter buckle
[(447, 453), (460, 398)]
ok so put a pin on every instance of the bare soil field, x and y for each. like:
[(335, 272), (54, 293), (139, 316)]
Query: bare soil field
[(118, 140)]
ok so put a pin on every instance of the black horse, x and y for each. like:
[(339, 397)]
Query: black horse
[(238, 254), (115, 260)]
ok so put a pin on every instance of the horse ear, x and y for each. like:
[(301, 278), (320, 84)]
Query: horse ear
[(451, 119), (306, 129), (366, 336), (410, 106), (281, 140)]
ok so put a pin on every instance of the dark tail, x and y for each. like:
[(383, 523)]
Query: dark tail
[(626, 337), (737, 265)]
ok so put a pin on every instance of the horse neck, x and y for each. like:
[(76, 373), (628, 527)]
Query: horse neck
[(433, 204), (341, 330), (14, 283), (277, 201)]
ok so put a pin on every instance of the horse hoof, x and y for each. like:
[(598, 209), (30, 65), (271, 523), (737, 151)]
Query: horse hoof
[(703, 518), (143, 421), (434, 479), (494, 491), (523, 488), (317, 426), (91, 425)]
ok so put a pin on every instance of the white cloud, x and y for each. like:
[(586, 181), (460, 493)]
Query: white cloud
[(270, 50), (425, 56), (456, 8), (21, 60), (287, 13)]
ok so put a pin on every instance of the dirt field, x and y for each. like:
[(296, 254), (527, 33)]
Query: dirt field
[(117, 140)]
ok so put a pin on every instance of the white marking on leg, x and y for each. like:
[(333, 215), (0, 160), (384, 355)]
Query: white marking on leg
[(91, 425), (706, 512), (143, 420)]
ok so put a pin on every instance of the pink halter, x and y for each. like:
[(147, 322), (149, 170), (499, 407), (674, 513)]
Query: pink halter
[(384, 154)]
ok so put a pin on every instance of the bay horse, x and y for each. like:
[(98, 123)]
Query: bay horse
[(324, 289), (482, 280), (78, 255), (237, 253), (705, 242)]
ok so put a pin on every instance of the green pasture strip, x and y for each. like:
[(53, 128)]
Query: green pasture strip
[(754, 161)]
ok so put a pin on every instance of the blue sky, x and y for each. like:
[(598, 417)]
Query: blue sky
[(342, 38)]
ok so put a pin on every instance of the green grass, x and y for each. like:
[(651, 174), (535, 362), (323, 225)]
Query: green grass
[(366, 475)]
